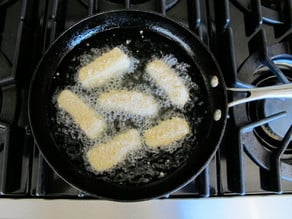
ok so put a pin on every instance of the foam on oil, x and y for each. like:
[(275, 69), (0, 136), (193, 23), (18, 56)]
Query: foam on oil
[(141, 166)]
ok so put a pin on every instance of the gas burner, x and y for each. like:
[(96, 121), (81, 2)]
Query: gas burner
[(272, 133), (264, 141), (271, 9), (116, 4)]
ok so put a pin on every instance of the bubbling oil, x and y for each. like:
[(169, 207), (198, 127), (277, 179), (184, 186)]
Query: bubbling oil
[(145, 165)]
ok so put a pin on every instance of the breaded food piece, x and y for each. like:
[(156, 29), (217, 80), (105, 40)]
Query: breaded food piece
[(132, 102), (91, 123), (105, 156), (169, 81), (166, 132), (103, 68)]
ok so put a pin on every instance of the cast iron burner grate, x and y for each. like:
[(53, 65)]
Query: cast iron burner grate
[(103, 5), (272, 11), (267, 136), (272, 133)]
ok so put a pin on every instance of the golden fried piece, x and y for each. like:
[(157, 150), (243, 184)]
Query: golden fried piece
[(91, 123), (132, 102), (105, 156), (104, 68), (169, 81), (166, 132)]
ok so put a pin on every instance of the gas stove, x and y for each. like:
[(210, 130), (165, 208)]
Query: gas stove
[(252, 42)]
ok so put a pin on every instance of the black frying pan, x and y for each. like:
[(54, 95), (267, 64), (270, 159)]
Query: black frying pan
[(161, 35)]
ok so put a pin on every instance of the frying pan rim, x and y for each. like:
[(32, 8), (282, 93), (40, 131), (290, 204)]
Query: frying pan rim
[(207, 50)]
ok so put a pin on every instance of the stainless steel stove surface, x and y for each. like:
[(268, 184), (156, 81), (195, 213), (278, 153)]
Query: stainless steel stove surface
[(252, 41)]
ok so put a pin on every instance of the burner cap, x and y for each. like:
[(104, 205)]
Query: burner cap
[(272, 133), (279, 127)]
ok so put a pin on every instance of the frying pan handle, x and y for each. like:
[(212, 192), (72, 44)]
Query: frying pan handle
[(277, 91)]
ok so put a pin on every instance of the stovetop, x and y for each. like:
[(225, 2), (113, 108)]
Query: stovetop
[(252, 41)]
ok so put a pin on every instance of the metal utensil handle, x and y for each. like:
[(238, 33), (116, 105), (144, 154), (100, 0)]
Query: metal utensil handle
[(277, 91)]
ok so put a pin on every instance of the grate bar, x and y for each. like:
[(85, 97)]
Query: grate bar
[(271, 179)]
